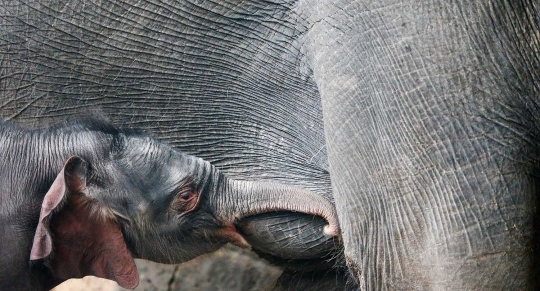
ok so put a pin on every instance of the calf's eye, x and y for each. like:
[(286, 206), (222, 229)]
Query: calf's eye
[(186, 199), (186, 196)]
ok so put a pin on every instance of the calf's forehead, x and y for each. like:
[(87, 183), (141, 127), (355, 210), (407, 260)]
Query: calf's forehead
[(154, 165)]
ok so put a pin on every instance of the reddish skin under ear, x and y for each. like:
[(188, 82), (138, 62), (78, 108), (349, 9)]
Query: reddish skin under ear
[(87, 244), (77, 237)]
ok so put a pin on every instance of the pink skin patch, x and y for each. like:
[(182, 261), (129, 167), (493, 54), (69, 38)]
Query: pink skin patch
[(231, 234)]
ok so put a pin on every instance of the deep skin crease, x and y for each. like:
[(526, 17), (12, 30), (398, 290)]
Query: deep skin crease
[(135, 178)]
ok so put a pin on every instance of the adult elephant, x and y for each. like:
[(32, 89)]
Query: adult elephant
[(430, 112)]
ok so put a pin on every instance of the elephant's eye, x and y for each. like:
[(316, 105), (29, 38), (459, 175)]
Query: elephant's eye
[(186, 199), (186, 196)]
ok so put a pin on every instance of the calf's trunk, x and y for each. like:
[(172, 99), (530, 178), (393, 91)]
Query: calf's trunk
[(246, 198)]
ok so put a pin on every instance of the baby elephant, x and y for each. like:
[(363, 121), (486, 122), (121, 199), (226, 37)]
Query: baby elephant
[(87, 199)]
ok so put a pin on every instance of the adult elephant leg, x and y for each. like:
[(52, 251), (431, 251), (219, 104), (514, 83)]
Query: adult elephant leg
[(432, 124)]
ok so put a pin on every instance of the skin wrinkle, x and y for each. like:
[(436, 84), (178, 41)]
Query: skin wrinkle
[(450, 151), (529, 43)]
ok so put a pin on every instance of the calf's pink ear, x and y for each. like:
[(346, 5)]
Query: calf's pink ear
[(83, 239)]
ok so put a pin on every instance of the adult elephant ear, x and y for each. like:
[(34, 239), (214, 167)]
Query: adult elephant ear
[(83, 235)]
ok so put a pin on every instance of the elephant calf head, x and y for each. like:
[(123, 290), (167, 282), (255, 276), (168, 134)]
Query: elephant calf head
[(121, 195)]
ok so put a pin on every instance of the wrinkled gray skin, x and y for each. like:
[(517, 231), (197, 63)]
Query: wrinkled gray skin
[(430, 112)]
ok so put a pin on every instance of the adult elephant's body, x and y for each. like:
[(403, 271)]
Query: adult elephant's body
[(430, 112), (432, 117)]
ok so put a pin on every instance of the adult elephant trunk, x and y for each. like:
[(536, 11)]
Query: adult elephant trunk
[(246, 198)]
